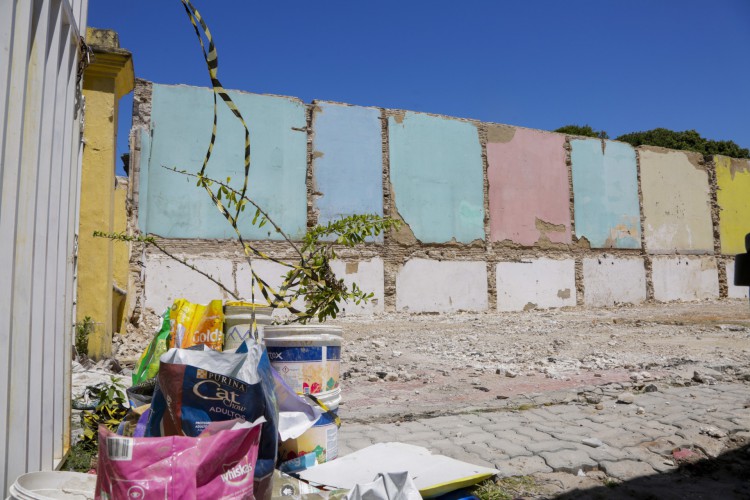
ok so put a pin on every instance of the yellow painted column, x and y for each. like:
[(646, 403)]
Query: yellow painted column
[(105, 81)]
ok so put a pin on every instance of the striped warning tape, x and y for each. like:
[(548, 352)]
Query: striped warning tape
[(276, 299)]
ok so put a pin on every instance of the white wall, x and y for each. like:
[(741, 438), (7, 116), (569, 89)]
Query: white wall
[(39, 188), (424, 285), (685, 278), (535, 284), (168, 280), (609, 280), (369, 275)]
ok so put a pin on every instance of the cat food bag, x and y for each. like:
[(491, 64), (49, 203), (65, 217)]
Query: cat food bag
[(195, 324), (198, 387), (219, 463)]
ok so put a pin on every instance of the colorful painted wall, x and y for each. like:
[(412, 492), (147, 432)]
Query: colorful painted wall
[(495, 217)]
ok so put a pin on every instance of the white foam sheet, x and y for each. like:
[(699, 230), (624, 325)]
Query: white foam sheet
[(425, 469)]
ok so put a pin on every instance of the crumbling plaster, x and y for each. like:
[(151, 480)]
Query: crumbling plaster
[(430, 168)]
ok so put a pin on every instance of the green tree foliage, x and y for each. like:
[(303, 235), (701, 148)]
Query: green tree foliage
[(689, 140), (584, 130)]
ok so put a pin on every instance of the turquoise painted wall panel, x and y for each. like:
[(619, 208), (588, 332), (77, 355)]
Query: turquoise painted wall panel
[(605, 189), (143, 180), (347, 161), (181, 121), (436, 174)]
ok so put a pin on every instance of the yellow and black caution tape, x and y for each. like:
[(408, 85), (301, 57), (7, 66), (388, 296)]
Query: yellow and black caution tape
[(274, 298), (327, 411)]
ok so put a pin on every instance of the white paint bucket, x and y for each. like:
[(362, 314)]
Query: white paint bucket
[(53, 484), (238, 322), (321, 439), (308, 358)]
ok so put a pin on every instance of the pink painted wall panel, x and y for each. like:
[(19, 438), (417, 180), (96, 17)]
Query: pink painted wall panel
[(529, 189)]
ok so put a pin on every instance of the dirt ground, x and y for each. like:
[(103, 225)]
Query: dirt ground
[(399, 364)]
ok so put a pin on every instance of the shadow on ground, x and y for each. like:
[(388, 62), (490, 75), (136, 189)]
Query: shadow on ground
[(724, 477)]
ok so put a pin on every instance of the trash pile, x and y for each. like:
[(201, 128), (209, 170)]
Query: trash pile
[(224, 404)]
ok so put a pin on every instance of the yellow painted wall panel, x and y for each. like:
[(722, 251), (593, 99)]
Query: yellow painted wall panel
[(733, 196)]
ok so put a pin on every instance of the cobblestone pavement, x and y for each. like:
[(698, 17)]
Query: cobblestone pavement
[(609, 441)]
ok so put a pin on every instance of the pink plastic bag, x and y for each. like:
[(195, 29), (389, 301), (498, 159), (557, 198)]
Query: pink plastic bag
[(219, 463)]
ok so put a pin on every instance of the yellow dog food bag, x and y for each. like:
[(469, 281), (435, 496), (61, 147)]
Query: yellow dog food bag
[(194, 324)]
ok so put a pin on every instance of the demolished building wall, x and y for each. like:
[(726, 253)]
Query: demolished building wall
[(496, 217)]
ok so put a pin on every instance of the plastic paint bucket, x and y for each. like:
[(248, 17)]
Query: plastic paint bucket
[(238, 322), (321, 439), (308, 358), (53, 484)]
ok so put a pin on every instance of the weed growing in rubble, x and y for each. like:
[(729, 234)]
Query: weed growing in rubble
[(83, 330), (110, 410)]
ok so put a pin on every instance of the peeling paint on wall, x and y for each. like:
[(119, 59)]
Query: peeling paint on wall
[(347, 161), (436, 175), (528, 188), (537, 283), (733, 196), (676, 203), (605, 188), (181, 121)]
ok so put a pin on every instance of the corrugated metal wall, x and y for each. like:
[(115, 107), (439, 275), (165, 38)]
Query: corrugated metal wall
[(40, 130)]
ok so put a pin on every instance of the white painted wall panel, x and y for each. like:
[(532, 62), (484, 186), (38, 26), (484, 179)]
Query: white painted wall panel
[(424, 285), (168, 280), (535, 284), (369, 275), (685, 278), (608, 280)]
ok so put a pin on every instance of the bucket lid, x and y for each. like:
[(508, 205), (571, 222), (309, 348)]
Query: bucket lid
[(55, 484), (247, 308), (277, 330)]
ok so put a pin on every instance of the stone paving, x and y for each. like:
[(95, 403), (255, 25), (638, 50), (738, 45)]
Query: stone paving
[(623, 441)]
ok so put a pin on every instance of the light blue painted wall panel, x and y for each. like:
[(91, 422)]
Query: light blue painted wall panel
[(348, 161), (143, 180), (605, 188), (436, 173), (181, 121)]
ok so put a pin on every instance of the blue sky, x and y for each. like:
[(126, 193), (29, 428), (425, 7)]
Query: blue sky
[(620, 66)]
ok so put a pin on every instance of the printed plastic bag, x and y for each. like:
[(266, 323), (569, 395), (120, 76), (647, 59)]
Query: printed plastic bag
[(220, 463), (197, 387), (194, 324), (148, 364)]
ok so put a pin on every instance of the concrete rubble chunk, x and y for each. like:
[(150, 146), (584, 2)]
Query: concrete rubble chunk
[(593, 442), (626, 398), (712, 431)]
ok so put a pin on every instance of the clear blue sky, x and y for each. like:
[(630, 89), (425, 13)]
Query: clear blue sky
[(620, 66)]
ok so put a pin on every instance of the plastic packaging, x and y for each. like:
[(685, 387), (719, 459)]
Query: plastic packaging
[(148, 364), (220, 463), (195, 324)]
